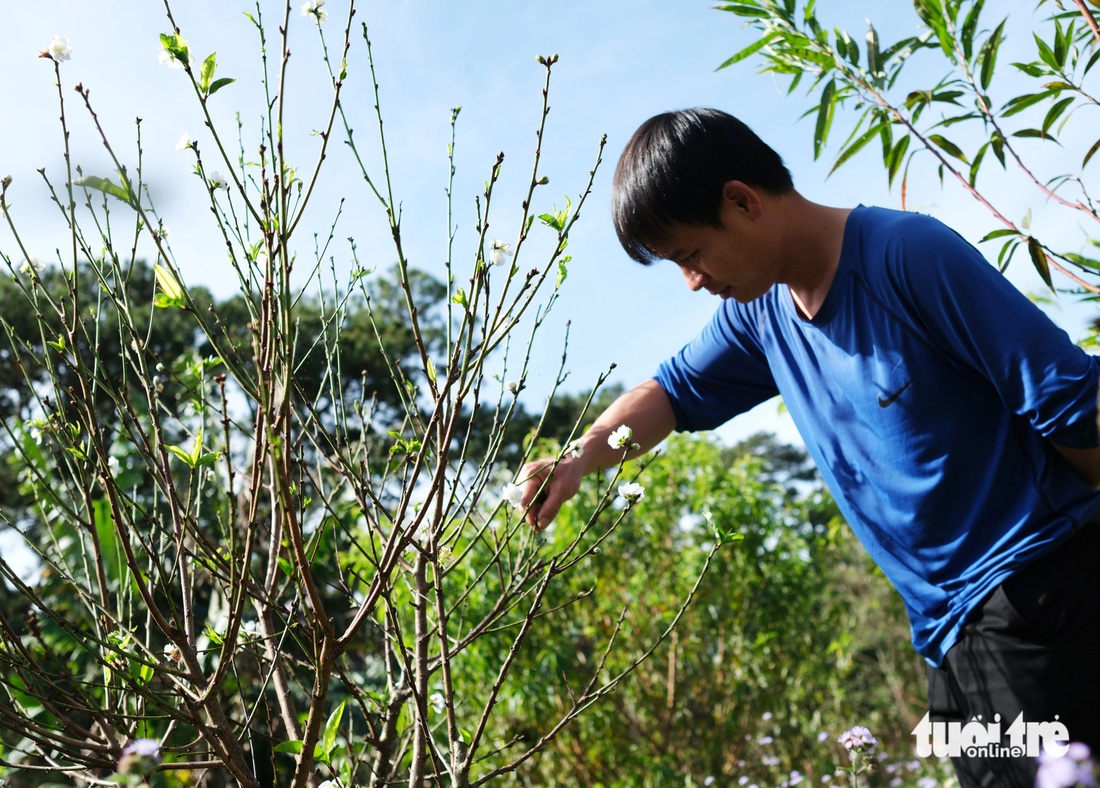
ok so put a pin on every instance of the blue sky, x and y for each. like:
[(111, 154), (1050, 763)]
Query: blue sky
[(619, 64)]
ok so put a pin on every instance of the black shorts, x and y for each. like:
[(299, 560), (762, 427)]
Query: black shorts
[(1033, 647)]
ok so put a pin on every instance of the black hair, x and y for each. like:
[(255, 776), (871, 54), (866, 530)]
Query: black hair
[(673, 169)]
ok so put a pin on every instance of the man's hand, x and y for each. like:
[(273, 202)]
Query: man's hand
[(547, 484)]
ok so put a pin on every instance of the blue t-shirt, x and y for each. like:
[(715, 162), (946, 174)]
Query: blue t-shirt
[(927, 389)]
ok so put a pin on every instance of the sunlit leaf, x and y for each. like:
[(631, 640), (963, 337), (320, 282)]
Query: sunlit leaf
[(332, 727), (107, 187), (206, 73), (169, 285)]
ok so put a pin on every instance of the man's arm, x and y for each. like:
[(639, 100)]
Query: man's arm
[(645, 409), (1084, 462)]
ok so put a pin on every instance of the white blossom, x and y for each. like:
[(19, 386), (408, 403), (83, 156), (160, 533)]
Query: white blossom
[(172, 653), (632, 492), (574, 449), (185, 141), (250, 630), (31, 265), (513, 495), (438, 702), (499, 251), (621, 438), (512, 386), (316, 9), (330, 784), (218, 181), (58, 50), (168, 59)]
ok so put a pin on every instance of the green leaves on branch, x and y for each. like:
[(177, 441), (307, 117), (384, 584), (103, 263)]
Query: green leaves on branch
[(207, 84), (125, 192), (196, 457), (323, 750), (558, 219), (955, 119), (179, 52)]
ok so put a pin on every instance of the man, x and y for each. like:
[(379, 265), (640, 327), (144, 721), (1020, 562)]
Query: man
[(954, 422)]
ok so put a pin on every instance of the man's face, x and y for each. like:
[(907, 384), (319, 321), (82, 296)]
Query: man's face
[(728, 261)]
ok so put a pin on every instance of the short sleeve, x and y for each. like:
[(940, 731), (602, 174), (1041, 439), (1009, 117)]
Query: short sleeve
[(721, 373)]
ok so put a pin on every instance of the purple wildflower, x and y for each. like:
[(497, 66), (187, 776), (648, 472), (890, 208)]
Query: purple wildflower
[(858, 739), (1074, 768)]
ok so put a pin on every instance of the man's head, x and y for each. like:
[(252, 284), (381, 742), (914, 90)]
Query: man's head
[(673, 170)]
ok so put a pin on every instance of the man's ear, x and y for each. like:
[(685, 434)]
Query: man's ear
[(743, 197)]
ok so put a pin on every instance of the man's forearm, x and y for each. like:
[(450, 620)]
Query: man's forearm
[(645, 409)]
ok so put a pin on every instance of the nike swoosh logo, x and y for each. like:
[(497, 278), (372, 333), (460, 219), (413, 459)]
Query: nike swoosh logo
[(885, 402)]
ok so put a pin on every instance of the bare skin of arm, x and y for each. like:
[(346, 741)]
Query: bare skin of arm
[(1085, 462), (645, 409)]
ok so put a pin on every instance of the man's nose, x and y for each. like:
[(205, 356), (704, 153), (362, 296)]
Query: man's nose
[(696, 280)]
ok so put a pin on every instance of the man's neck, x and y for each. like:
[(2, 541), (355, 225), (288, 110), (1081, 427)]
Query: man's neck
[(814, 237)]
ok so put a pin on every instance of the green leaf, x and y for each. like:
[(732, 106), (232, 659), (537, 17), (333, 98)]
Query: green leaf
[(218, 84), (1039, 259), (332, 727), (748, 51), (563, 272), (1095, 147), (947, 146), (1082, 261), (987, 56), (745, 10), (1046, 54), (996, 234), (858, 145), (558, 219), (107, 187), (969, 26), (1055, 111), (177, 48), (184, 455), (873, 54), (206, 73), (1032, 133), (169, 285), (896, 157), (292, 747), (1031, 69), (429, 368), (824, 116)]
